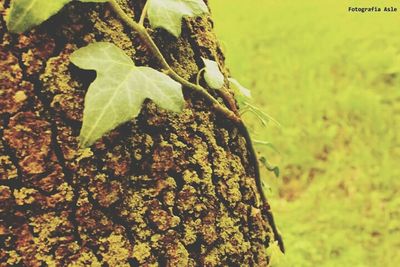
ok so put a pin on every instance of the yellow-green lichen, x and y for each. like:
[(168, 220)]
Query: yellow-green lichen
[(112, 30), (24, 196), (190, 176), (233, 241), (86, 258), (8, 170), (50, 230), (56, 77), (141, 251), (13, 258), (20, 96), (115, 250), (191, 231)]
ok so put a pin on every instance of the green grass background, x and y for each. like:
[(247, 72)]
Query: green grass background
[(332, 79)]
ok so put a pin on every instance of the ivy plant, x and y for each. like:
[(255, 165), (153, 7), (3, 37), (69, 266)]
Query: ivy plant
[(120, 88), (212, 74), (167, 14), (240, 89), (243, 96), (117, 94)]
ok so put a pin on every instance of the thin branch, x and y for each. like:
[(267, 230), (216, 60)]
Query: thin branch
[(199, 76)]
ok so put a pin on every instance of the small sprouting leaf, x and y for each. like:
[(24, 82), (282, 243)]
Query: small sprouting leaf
[(117, 94), (261, 115), (269, 167), (167, 14), (265, 143), (25, 14), (212, 74), (266, 188), (243, 91)]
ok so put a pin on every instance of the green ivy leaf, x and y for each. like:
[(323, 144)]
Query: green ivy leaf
[(242, 94), (212, 74), (269, 167), (25, 14), (167, 14), (240, 89), (117, 94)]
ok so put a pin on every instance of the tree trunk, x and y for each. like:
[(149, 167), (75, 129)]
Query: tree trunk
[(163, 190)]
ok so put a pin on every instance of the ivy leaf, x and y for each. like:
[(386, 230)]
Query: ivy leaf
[(265, 143), (25, 14), (167, 14), (117, 94), (212, 74), (243, 91), (269, 167)]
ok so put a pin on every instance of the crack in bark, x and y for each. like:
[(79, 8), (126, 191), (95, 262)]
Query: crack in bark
[(13, 158), (110, 213)]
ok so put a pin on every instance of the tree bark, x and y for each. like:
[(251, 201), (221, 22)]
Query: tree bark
[(163, 190)]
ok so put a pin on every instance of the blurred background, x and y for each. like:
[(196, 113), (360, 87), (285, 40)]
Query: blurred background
[(332, 80)]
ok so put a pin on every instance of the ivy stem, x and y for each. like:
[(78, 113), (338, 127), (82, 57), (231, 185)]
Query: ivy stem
[(199, 76), (144, 13), (259, 113), (146, 38)]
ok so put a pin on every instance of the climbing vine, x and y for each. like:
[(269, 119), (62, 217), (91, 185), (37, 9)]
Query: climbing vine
[(118, 92)]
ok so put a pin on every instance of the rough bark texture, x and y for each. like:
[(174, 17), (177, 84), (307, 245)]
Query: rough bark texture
[(163, 190)]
